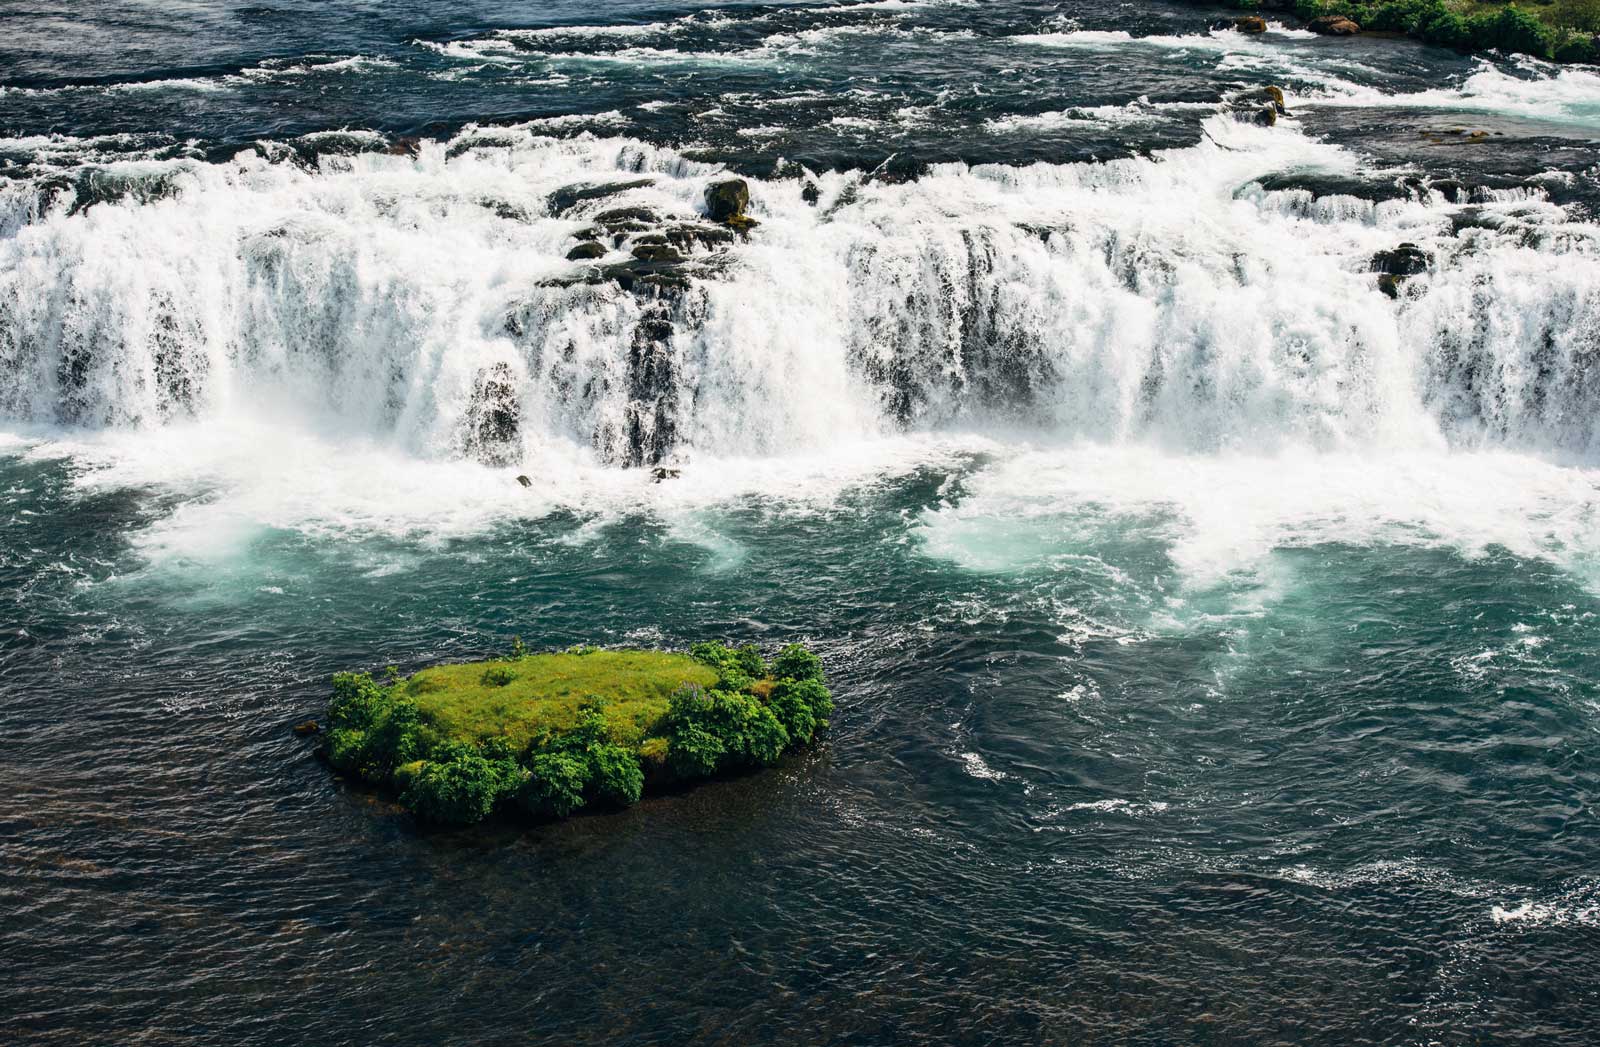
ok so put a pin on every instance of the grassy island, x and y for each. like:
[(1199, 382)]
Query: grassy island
[(583, 728)]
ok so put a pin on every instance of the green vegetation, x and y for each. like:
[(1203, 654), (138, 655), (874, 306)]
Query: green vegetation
[(1564, 30), (556, 733)]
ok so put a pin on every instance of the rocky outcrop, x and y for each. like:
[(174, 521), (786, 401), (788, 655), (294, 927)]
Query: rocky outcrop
[(1333, 25)]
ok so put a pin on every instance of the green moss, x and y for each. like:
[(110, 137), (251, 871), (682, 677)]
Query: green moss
[(544, 693), (563, 731)]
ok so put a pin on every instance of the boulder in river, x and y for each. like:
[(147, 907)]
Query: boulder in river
[(1333, 25), (306, 727), (1250, 24), (586, 250), (727, 199)]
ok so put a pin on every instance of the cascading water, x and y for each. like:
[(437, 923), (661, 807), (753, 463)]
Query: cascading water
[(426, 301)]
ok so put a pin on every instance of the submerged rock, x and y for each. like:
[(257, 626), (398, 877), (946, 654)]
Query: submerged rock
[(1333, 25), (306, 727)]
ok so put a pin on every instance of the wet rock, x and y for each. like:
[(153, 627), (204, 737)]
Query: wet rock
[(568, 197), (586, 250), (652, 252), (810, 193), (1270, 97), (727, 199), (524, 481), (507, 209), (1255, 113), (1250, 24), (405, 145), (687, 235), (1333, 25), (619, 215), (1395, 266), (494, 417), (306, 727), (661, 473), (1405, 260)]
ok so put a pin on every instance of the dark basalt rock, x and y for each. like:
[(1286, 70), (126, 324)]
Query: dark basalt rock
[(567, 197), (524, 481), (661, 473), (1394, 266), (586, 250), (1333, 25), (627, 215), (727, 199), (1405, 260), (494, 417), (810, 193)]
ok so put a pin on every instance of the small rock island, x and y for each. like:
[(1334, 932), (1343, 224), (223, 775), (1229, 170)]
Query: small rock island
[(584, 728)]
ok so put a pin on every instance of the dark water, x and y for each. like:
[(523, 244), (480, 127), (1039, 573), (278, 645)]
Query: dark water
[(1138, 742)]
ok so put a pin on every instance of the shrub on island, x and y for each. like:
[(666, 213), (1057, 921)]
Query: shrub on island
[(560, 732)]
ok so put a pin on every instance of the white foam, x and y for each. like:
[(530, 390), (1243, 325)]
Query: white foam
[(1143, 335), (1225, 514)]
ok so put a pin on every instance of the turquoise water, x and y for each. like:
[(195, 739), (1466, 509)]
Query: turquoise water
[(1338, 793)]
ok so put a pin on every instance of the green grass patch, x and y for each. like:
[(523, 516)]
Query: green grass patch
[(558, 732), (544, 692)]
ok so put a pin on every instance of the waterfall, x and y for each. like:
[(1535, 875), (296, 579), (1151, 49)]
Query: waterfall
[(423, 298)]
